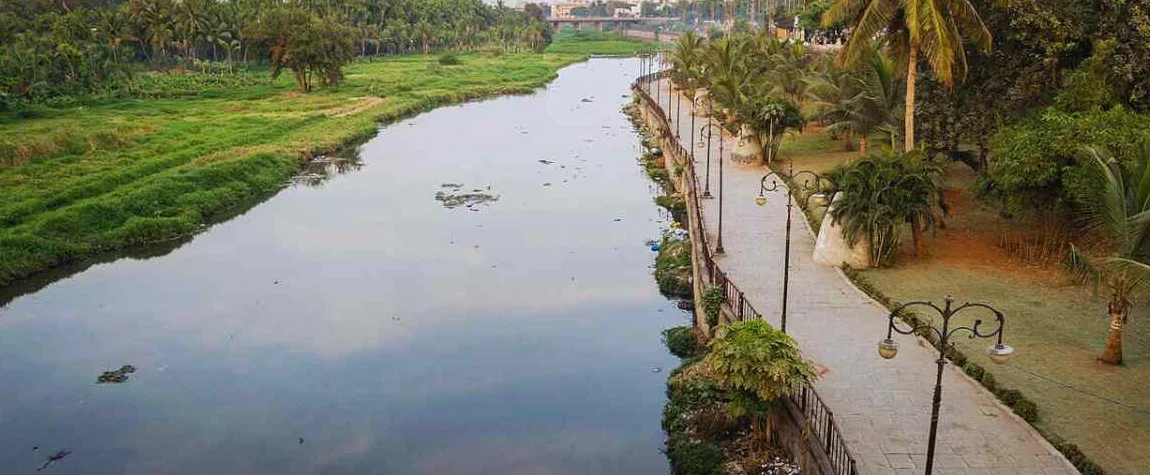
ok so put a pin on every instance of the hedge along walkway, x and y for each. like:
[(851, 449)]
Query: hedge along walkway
[(882, 406)]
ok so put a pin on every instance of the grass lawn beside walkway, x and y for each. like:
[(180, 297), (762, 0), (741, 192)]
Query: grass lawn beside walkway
[(78, 181), (1057, 328)]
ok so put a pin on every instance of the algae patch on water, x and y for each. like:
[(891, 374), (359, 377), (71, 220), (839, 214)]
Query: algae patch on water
[(452, 197)]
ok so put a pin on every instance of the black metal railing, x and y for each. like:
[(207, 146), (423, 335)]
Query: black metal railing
[(818, 418)]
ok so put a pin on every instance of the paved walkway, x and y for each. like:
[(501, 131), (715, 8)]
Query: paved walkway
[(882, 406)]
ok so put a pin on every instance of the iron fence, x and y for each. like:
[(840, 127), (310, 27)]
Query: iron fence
[(818, 419)]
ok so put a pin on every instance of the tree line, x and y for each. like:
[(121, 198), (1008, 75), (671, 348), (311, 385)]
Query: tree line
[(65, 47)]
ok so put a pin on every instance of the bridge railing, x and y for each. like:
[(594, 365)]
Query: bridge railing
[(818, 419)]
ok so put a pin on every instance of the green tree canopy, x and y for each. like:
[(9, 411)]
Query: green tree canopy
[(305, 43)]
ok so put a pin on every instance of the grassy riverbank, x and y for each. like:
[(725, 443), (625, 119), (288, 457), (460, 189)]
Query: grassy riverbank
[(75, 182), (573, 41), (1057, 327)]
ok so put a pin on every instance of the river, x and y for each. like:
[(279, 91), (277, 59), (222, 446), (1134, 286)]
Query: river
[(356, 324)]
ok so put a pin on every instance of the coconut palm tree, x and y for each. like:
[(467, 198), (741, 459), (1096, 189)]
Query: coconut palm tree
[(687, 58), (859, 101), (1119, 211), (728, 76), (788, 69), (932, 29)]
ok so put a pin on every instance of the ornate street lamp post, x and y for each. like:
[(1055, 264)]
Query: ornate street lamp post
[(691, 111), (710, 129), (650, 67), (658, 87), (811, 182), (707, 170), (678, 110), (998, 352)]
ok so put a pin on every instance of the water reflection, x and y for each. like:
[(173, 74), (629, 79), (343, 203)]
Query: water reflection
[(387, 332), (322, 168)]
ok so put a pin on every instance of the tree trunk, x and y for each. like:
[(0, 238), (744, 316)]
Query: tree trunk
[(1112, 354), (862, 145), (911, 70), (916, 236), (984, 152)]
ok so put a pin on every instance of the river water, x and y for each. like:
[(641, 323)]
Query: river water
[(356, 324)]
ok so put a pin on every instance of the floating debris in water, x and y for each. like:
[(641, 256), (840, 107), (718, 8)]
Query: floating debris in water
[(56, 457), (546, 162), (117, 376), (547, 184), (656, 370), (587, 99), (452, 200)]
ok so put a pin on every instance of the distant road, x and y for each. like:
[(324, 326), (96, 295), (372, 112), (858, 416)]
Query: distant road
[(649, 35)]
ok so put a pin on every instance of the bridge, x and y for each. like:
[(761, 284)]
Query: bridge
[(598, 22)]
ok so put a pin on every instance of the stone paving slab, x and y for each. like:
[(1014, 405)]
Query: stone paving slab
[(882, 406)]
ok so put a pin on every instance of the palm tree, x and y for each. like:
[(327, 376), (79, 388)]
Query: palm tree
[(1120, 212), (788, 69), (768, 118), (727, 75), (861, 100), (189, 25), (934, 29), (881, 193), (424, 31), (687, 58)]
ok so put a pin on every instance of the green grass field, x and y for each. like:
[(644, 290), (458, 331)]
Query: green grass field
[(1057, 328), (79, 181), (572, 41)]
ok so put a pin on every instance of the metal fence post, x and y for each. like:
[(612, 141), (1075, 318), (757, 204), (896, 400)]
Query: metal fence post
[(830, 429)]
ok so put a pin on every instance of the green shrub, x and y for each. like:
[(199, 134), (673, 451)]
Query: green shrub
[(988, 382), (450, 59), (1076, 457), (713, 300), (673, 268), (675, 204), (755, 357), (1010, 397), (975, 371), (1036, 162), (681, 341), (1026, 409), (695, 458), (955, 356)]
